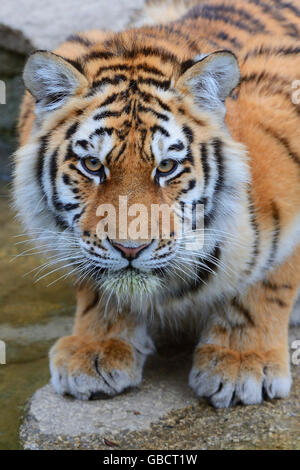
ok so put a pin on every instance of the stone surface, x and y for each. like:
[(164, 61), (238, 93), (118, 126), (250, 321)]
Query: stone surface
[(162, 413), (44, 24)]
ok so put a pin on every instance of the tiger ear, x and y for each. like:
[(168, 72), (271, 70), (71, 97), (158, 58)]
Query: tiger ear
[(51, 79), (211, 79)]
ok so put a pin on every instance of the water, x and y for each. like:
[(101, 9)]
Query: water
[(32, 316)]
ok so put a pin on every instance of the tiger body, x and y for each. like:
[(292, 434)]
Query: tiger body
[(131, 100)]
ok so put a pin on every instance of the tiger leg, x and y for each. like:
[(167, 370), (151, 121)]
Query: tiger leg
[(243, 354), (101, 356)]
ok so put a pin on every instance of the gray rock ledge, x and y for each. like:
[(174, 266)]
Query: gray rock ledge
[(162, 413)]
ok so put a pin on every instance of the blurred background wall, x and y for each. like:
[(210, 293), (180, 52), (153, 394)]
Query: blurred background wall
[(26, 25)]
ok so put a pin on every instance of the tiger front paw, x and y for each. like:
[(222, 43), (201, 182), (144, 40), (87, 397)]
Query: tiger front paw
[(84, 368), (227, 377)]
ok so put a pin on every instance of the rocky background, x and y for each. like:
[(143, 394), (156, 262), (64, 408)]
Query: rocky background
[(26, 25)]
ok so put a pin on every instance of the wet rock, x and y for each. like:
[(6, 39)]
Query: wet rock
[(11, 38), (160, 414), (9, 110)]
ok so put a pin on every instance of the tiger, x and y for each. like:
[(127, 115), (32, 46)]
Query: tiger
[(194, 104)]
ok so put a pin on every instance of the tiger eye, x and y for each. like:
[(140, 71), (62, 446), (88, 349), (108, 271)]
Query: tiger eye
[(92, 164), (166, 166)]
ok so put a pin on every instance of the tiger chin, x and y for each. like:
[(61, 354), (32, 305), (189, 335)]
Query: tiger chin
[(194, 111)]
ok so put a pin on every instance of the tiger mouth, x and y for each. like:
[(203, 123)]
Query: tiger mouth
[(129, 282)]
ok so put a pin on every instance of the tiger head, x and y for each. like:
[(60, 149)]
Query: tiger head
[(114, 135)]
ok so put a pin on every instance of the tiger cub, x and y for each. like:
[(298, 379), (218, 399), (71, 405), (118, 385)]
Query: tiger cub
[(193, 109)]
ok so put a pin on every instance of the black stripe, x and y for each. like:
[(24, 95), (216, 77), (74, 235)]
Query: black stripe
[(160, 129), (275, 236), (66, 179), (205, 165), (40, 161), (110, 99), (53, 174), (70, 206), (23, 118), (274, 287), (258, 77), (82, 143), (225, 37), (191, 185), (185, 65), (148, 97), (119, 67), (76, 38), (72, 129), (266, 50), (92, 304), (112, 68), (163, 84), (176, 147), (289, 6), (277, 301), (122, 150), (182, 172), (149, 69), (40, 170), (60, 223), (147, 109), (243, 310), (218, 145), (97, 55), (109, 155), (219, 183), (107, 114), (202, 275), (255, 228), (188, 134), (269, 89), (102, 131), (144, 156), (284, 142), (77, 65), (274, 13), (163, 54), (108, 81), (212, 265), (236, 17), (77, 216), (173, 29), (69, 153)]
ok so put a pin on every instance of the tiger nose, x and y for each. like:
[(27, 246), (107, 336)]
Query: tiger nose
[(130, 252)]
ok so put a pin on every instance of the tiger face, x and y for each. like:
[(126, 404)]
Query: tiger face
[(128, 131)]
